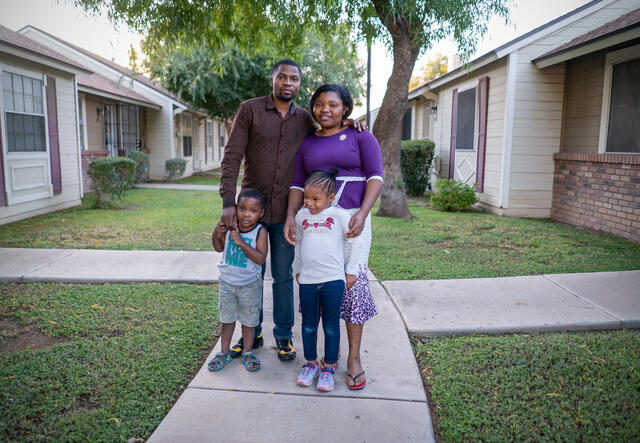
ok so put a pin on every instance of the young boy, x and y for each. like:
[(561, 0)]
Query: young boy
[(244, 251)]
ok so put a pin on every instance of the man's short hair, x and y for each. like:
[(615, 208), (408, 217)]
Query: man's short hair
[(284, 61)]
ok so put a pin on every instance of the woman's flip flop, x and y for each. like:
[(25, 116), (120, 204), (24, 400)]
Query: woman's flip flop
[(355, 387)]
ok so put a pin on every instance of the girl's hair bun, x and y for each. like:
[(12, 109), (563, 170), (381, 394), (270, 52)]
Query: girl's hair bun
[(333, 172)]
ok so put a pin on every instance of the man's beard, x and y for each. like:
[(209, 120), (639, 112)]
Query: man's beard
[(285, 99)]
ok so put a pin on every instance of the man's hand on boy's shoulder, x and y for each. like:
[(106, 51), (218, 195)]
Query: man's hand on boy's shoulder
[(228, 217)]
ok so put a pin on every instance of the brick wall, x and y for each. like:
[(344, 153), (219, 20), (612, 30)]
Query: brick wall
[(88, 157), (598, 191)]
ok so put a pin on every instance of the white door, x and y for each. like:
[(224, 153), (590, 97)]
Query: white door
[(465, 149), (24, 123)]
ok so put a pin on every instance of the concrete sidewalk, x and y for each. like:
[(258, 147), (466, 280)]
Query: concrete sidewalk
[(235, 405), (540, 303)]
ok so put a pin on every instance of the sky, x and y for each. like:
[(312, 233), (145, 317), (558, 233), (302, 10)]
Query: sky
[(96, 34)]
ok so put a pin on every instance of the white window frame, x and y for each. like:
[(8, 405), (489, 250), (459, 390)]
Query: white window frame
[(613, 58), (25, 155), (465, 87), (5, 138)]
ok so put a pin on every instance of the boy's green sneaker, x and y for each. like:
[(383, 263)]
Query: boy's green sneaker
[(236, 350)]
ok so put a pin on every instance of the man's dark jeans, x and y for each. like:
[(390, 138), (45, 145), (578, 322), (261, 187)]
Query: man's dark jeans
[(282, 254)]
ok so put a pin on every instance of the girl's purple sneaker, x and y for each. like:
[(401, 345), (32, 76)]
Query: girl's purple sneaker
[(308, 373), (325, 382)]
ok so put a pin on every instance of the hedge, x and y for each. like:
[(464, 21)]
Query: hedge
[(110, 178), (416, 157), (142, 164), (175, 167)]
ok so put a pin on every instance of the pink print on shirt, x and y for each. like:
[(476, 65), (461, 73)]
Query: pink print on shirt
[(326, 224)]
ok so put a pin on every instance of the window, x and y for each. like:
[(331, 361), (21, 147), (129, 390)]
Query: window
[(81, 122), (24, 111), (619, 129), (406, 125), (128, 128), (624, 110), (222, 140), (465, 119), (187, 136), (111, 139), (209, 133)]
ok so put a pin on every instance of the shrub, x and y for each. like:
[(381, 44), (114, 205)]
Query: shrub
[(416, 157), (110, 178), (142, 164), (452, 195), (175, 167)]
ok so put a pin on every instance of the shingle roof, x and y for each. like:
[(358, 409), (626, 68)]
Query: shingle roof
[(16, 39), (96, 81), (623, 23), (123, 70)]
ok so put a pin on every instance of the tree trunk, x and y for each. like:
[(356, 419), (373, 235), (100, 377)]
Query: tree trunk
[(388, 125)]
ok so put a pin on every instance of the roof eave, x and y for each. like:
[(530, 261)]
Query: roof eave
[(19, 51), (465, 69), (587, 47)]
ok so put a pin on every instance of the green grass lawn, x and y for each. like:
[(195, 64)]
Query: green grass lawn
[(213, 180), (204, 178), (156, 219), (440, 245), (535, 387), (105, 362)]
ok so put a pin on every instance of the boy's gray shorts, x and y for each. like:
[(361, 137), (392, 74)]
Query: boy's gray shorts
[(241, 303)]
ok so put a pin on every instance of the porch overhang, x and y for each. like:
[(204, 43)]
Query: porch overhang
[(121, 98)]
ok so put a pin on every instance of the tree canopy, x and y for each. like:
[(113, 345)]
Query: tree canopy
[(433, 68), (408, 27), (218, 81)]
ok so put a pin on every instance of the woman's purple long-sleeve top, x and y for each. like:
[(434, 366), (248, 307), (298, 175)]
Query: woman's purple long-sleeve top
[(353, 153)]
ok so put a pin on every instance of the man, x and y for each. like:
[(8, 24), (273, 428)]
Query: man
[(267, 133)]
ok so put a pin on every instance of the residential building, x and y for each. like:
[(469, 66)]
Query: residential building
[(123, 110), (40, 169), (548, 124)]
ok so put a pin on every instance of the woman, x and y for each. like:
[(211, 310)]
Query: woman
[(358, 159)]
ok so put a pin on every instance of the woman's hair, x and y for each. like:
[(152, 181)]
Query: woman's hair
[(253, 193), (325, 180), (343, 92)]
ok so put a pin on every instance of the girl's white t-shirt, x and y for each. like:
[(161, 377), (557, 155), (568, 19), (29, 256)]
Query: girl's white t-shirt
[(323, 253)]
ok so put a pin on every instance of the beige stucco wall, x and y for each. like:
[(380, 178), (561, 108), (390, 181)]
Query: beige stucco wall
[(95, 123), (68, 143)]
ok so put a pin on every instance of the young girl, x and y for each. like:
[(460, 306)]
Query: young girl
[(324, 266)]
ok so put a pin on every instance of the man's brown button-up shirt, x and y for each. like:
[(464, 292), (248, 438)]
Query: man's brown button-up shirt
[(269, 143)]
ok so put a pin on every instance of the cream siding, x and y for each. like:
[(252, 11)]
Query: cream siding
[(583, 104), (68, 143)]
